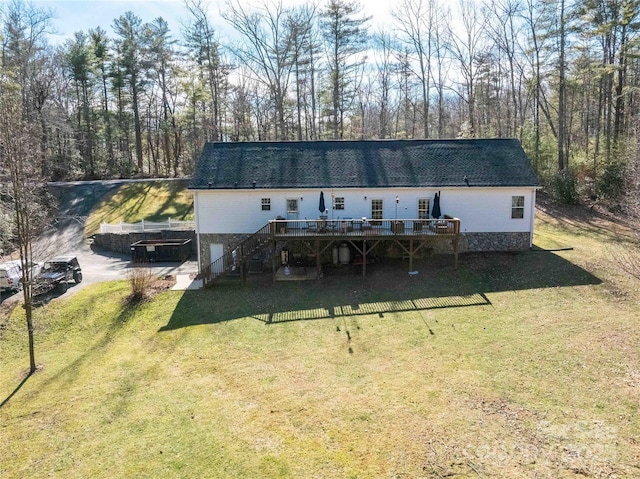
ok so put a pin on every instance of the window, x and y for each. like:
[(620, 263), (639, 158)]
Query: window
[(338, 203), (266, 204), (423, 208), (376, 209), (292, 206), (517, 207)]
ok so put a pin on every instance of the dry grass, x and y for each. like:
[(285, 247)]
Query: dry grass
[(514, 366)]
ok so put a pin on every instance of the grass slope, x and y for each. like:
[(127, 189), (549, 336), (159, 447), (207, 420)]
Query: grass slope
[(515, 365), (149, 200)]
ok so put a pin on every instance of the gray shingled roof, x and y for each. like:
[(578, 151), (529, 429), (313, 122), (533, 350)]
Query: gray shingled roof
[(363, 164)]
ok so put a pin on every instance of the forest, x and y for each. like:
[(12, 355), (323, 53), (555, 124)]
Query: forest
[(562, 76)]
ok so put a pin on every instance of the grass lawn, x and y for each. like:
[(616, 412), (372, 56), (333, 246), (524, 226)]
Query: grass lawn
[(515, 365), (133, 202)]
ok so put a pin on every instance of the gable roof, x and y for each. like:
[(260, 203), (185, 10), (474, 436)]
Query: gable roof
[(363, 164)]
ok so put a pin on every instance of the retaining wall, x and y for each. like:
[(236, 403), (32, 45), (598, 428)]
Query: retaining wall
[(121, 242)]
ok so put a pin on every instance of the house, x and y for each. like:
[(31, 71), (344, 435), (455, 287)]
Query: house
[(486, 189)]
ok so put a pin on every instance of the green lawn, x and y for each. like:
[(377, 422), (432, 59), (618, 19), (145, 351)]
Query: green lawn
[(147, 200), (515, 365)]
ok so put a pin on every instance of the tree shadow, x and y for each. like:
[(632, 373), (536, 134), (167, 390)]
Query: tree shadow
[(42, 298), (72, 370), (593, 221), (387, 288), (8, 398)]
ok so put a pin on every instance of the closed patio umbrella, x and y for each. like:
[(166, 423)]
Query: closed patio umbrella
[(321, 205), (435, 211)]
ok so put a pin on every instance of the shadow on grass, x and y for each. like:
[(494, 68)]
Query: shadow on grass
[(133, 197), (387, 288), (44, 297), (594, 222), (8, 398), (72, 370)]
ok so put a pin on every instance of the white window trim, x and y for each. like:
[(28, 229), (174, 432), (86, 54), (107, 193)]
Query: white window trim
[(515, 207)]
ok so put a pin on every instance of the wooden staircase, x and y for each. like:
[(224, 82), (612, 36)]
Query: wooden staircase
[(234, 260)]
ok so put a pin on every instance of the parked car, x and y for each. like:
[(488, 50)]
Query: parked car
[(10, 276), (57, 272)]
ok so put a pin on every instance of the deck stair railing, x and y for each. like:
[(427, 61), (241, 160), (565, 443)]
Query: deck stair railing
[(234, 259)]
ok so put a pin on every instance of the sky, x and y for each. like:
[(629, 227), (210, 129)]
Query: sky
[(75, 15)]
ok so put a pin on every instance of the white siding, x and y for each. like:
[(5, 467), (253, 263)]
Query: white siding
[(479, 209)]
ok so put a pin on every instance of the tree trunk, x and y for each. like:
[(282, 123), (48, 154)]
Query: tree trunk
[(136, 124), (562, 159)]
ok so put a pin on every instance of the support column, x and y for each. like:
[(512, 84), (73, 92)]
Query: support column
[(364, 257), (411, 255), (273, 263), (241, 264), (318, 263), (454, 245)]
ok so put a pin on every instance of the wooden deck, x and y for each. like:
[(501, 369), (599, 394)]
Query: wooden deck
[(318, 235), (411, 236)]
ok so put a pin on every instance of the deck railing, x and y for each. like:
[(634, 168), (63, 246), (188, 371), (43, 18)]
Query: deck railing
[(364, 227)]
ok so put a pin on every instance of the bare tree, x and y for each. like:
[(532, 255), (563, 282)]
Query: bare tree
[(19, 164), (563, 152), (345, 40), (417, 23), (211, 69), (466, 44), (301, 25), (505, 29), (268, 51), (384, 80)]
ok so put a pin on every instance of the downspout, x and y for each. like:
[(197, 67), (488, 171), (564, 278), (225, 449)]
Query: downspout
[(196, 210), (533, 216)]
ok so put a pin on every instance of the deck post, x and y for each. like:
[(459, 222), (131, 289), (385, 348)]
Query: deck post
[(273, 262), (410, 255), (318, 263), (364, 257), (454, 244), (243, 276)]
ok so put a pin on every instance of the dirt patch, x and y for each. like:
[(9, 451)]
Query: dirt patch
[(154, 287), (162, 284)]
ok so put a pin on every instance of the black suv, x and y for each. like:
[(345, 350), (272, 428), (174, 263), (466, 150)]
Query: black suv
[(57, 272)]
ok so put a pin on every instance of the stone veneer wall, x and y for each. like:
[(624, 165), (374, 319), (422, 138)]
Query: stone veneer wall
[(470, 242), (479, 242), (121, 242), (228, 240)]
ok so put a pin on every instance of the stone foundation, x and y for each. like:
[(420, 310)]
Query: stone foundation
[(472, 242), (228, 240)]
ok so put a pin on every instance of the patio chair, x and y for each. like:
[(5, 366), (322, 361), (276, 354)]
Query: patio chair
[(312, 226)]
